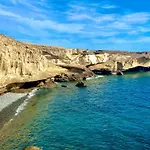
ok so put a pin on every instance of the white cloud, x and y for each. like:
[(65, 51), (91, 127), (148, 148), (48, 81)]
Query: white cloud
[(45, 24), (99, 18), (77, 8), (7, 13), (79, 20), (73, 16), (32, 31), (109, 6), (134, 18), (144, 29), (98, 29), (144, 39), (13, 1), (123, 41), (29, 4), (49, 24), (118, 25)]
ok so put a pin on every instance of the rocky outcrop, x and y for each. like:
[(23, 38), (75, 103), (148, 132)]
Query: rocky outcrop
[(23, 87), (72, 76), (113, 60), (32, 148), (138, 69), (81, 84), (23, 62), (103, 71), (119, 73), (98, 60), (122, 62)]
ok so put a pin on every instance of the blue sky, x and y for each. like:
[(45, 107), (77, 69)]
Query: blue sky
[(88, 24)]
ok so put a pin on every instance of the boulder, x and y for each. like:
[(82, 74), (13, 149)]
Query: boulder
[(84, 78), (119, 73), (32, 148), (81, 84), (138, 69), (65, 86), (103, 71), (61, 78)]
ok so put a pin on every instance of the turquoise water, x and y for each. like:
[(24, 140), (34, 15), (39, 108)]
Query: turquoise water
[(112, 113)]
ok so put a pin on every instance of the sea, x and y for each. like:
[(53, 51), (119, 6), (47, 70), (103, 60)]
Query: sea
[(111, 113)]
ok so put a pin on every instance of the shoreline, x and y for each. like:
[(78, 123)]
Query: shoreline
[(10, 114), (12, 104), (9, 98), (7, 112)]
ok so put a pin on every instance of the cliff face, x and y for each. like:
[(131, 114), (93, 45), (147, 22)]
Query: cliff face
[(107, 59), (26, 62), (23, 62), (121, 61), (114, 61)]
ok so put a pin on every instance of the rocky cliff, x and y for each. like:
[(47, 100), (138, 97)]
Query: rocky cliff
[(27, 62), (112, 60), (23, 62)]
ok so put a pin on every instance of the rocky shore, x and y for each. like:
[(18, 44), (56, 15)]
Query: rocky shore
[(24, 66), (9, 103)]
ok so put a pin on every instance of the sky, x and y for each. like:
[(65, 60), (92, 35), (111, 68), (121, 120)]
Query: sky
[(87, 24)]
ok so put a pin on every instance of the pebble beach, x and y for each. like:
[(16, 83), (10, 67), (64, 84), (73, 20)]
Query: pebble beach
[(8, 98)]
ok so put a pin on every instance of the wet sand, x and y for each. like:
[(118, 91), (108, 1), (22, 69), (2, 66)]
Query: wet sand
[(36, 107), (8, 98), (8, 106)]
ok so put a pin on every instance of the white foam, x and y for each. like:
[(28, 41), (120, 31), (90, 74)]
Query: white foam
[(57, 83), (31, 94), (22, 106), (98, 76), (10, 120)]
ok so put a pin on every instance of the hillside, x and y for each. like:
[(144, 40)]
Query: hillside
[(21, 61)]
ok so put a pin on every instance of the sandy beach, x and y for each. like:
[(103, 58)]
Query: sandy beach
[(8, 98), (9, 103)]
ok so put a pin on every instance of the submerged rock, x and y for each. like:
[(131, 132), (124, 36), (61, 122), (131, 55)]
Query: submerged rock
[(81, 84), (32, 148), (65, 86), (119, 73), (102, 71), (84, 78), (138, 69)]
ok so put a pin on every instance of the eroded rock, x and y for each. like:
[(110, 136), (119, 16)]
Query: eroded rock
[(102, 71), (119, 73), (81, 84), (32, 148), (24, 62)]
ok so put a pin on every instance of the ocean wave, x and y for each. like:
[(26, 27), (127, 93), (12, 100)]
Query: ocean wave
[(27, 97), (57, 83), (98, 76)]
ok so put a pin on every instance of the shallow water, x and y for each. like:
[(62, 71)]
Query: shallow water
[(112, 113)]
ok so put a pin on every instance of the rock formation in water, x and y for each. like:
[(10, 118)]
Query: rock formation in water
[(23, 62), (32, 148)]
